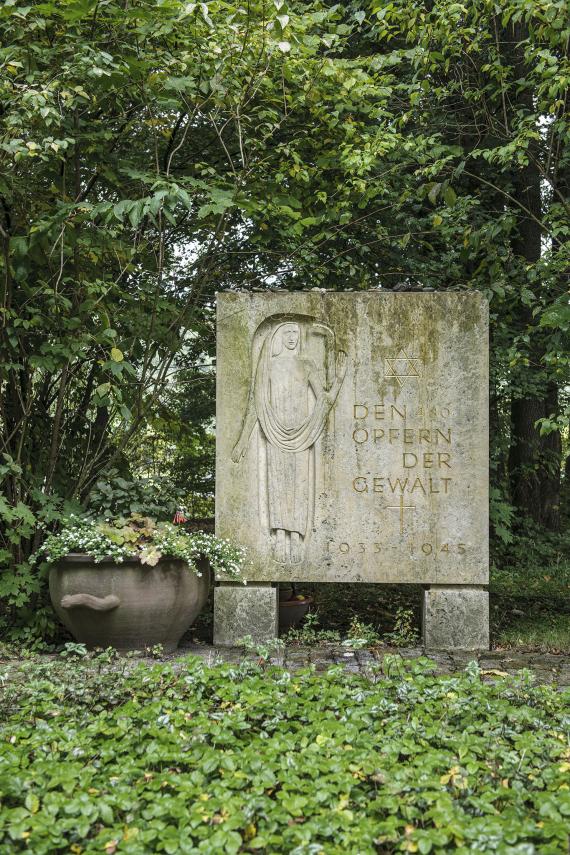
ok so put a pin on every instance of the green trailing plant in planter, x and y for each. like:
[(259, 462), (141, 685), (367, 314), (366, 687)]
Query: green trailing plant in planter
[(132, 582), (143, 538)]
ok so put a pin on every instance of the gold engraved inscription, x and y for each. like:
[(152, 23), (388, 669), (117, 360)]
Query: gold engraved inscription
[(402, 367), (435, 550), (379, 483), (414, 455), (407, 436), (379, 412), (426, 460), (402, 508)]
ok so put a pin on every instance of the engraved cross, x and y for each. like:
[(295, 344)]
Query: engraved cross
[(401, 507)]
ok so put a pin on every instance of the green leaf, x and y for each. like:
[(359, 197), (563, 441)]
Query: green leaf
[(433, 193), (151, 555), (32, 802), (106, 813)]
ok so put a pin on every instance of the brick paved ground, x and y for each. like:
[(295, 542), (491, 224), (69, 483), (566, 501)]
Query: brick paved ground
[(547, 667)]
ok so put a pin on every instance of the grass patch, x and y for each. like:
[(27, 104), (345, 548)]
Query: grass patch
[(543, 633), (547, 587), (104, 758), (530, 608)]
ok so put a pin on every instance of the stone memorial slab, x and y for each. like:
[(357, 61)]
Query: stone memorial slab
[(352, 435)]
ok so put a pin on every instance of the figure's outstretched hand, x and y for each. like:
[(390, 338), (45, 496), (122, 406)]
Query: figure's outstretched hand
[(340, 366)]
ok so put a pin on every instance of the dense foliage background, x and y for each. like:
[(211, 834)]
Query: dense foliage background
[(155, 151)]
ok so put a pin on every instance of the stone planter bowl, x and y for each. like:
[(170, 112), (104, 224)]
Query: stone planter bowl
[(292, 612), (127, 606)]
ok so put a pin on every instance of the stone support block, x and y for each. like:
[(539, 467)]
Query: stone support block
[(241, 610), (456, 618)]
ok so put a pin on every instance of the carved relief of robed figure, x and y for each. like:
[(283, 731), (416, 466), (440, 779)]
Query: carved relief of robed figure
[(294, 386)]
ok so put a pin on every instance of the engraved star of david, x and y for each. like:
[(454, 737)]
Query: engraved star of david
[(402, 367)]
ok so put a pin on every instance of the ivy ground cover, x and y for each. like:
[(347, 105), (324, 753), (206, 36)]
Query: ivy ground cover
[(104, 758)]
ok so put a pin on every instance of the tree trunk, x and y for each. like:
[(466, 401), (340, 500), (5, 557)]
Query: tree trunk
[(534, 473), (524, 456), (551, 459), (552, 443)]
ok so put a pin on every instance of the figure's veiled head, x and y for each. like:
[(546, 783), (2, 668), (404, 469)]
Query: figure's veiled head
[(286, 337), (290, 336)]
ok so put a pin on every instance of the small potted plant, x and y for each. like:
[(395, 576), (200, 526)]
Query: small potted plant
[(132, 582), (293, 606)]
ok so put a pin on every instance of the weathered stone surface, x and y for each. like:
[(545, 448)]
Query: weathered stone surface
[(456, 619), (352, 436), (240, 611)]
